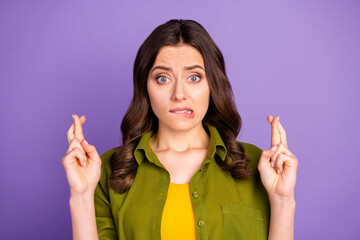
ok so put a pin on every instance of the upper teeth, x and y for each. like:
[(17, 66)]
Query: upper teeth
[(184, 111)]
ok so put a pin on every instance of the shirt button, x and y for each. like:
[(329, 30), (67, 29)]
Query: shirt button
[(201, 223), (195, 194)]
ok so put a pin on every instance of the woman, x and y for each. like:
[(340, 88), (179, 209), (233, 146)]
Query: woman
[(180, 173)]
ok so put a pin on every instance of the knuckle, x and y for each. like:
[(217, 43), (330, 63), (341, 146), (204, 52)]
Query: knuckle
[(64, 160), (278, 164), (77, 151), (264, 153), (280, 159)]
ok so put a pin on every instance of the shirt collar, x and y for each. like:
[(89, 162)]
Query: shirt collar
[(216, 146)]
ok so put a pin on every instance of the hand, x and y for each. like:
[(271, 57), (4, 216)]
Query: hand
[(278, 166), (82, 163)]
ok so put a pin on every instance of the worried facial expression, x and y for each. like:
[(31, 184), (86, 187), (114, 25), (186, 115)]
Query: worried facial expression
[(178, 88)]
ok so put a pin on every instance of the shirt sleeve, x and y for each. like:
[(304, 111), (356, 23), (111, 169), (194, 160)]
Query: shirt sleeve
[(262, 200), (104, 219)]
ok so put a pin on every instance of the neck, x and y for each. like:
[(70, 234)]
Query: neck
[(179, 141)]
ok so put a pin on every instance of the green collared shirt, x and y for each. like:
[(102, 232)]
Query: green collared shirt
[(224, 208)]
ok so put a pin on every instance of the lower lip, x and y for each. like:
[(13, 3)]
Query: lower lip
[(185, 114)]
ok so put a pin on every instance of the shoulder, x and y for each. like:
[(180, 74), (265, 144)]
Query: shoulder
[(106, 156), (253, 153), (105, 163)]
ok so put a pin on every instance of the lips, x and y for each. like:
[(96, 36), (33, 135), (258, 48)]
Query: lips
[(182, 110)]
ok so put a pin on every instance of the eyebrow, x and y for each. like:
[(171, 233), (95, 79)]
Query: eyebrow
[(186, 68)]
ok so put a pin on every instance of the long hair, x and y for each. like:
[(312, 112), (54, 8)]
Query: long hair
[(139, 118)]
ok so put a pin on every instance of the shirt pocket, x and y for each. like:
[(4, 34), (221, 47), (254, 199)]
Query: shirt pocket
[(242, 222)]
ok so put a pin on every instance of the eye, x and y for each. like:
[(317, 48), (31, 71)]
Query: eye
[(162, 79), (194, 78)]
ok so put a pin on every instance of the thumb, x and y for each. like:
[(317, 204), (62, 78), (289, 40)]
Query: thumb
[(90, 150), (265, 157)]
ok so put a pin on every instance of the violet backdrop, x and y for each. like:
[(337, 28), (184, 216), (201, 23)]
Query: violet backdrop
[(296, 59)]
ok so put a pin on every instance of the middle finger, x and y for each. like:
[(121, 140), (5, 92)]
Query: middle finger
[(282, 135), (277, 128), (71, 132), (275, 132)]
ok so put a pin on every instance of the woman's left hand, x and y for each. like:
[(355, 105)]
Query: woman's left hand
[(278, 166)]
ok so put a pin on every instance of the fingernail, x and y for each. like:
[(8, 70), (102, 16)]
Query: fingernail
[(73, 116), (82, 116), (278, 171), (273, 148), (86, 141), (272, 164)]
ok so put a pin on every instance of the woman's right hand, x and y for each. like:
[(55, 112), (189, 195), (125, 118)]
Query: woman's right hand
[(82, 163)]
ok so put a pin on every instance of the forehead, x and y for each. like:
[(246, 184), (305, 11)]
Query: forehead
[(183, 54)]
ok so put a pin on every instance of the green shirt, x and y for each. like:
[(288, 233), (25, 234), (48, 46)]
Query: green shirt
[(224, 208)]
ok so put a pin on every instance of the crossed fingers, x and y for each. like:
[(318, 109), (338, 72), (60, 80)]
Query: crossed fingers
[(278, 134), (75, 129), (75, 135), (283, 156)]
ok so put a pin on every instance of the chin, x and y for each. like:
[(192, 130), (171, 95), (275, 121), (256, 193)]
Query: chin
[(182, 126)]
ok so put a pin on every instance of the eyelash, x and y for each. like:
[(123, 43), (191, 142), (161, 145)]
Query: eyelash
[(161, 76)]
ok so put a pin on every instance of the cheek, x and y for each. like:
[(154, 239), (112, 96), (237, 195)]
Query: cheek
[(203, 98), (156, 101), (152, 93)]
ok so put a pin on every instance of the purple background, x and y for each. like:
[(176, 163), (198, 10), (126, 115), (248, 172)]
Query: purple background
[(299, 60)]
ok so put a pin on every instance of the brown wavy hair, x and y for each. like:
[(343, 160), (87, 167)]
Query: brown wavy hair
[(139, 118)]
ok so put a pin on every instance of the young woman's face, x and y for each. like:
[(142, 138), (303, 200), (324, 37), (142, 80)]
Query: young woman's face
[(178, 89)]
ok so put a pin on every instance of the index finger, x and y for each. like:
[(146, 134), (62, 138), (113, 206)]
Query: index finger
[(275, 132), (283, 139), (77, 128)]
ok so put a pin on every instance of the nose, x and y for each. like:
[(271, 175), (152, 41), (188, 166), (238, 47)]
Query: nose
[(179, 91)]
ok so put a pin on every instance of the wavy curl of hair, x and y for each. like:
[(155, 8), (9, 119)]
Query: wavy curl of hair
[(139, 118)]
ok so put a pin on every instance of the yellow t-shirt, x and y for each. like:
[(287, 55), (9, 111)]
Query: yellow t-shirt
[(178, 220)]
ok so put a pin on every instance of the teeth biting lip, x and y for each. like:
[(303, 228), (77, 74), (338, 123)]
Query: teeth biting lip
[(182, 110)]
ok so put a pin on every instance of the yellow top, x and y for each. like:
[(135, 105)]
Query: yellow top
[(178, 220)]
